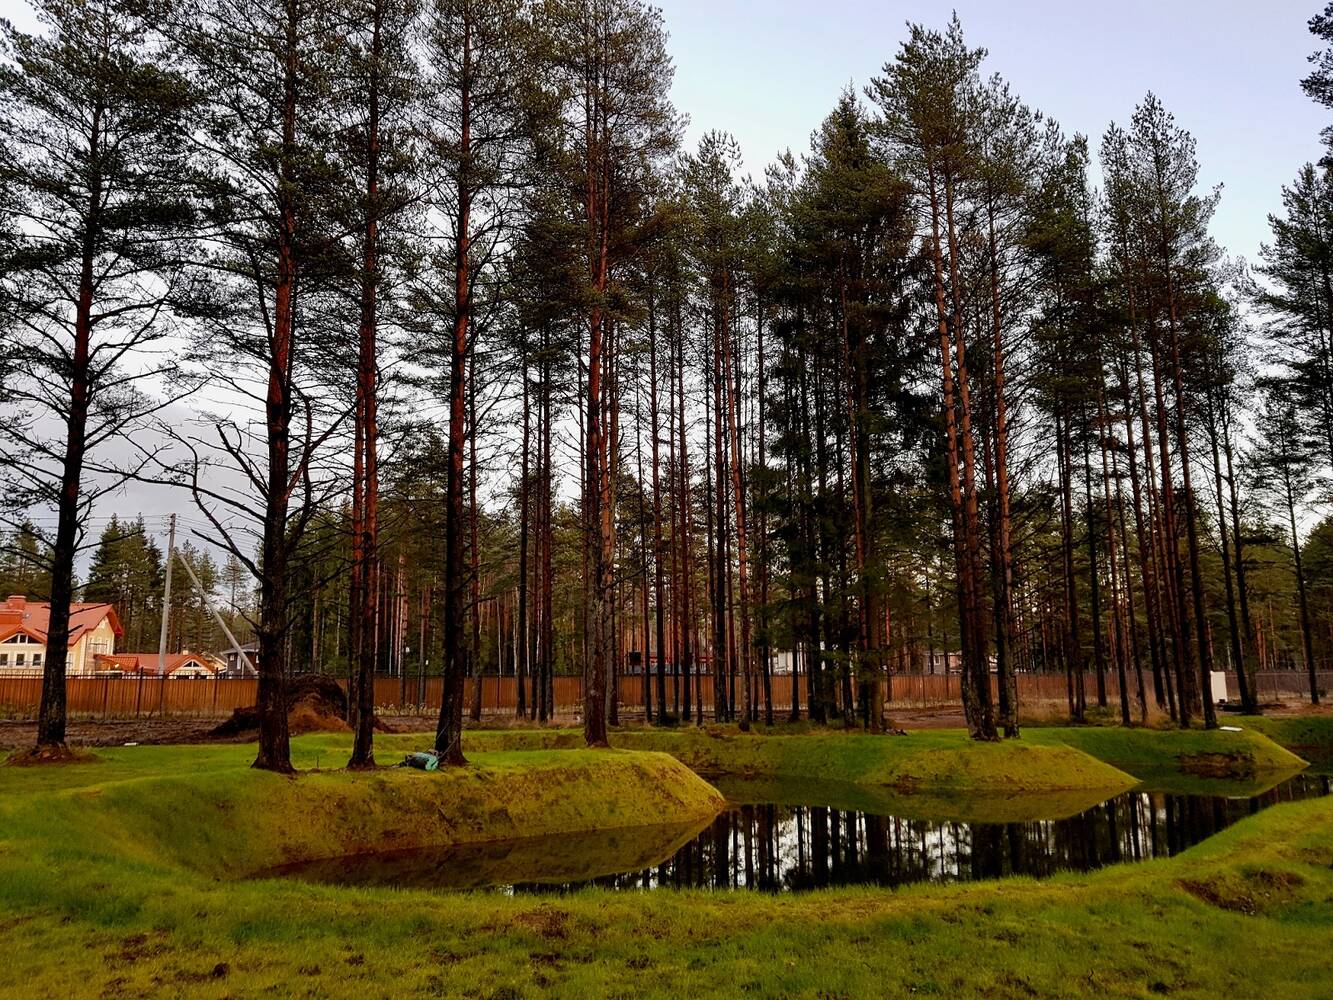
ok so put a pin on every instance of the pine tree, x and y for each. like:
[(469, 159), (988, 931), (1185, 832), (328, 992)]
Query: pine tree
[(94, 172), (928, 120), (1280, 464), (475, 142), (126, 571), (263, 73), (610, 81)]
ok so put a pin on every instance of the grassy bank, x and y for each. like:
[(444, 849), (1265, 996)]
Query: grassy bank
[(1309, 736), (1216, 761), (109, 886), (203, 808), (946, 762)]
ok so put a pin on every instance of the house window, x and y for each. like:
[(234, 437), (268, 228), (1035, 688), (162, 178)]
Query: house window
[(20, 660), (20, 638), (36, 659), (4, 659)]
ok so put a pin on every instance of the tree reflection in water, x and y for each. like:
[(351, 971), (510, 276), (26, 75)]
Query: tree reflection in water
[(776, 848)]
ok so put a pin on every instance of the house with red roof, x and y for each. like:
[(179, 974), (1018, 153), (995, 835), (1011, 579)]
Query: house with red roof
[(93, 631), (178, 666)]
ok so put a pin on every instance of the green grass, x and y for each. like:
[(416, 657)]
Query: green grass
[(1172, 760), (208, 811), (1310, 736), (945, 762), (111, 885)]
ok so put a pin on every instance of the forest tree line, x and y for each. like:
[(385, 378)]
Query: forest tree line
[(457, 349)]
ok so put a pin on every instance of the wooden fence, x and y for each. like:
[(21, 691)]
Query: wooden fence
[(134, 697)]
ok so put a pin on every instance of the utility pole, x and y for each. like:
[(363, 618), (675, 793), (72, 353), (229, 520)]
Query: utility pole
[(241, 656), (166, 602)]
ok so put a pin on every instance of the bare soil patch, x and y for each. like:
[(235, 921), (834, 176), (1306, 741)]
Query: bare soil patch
[(110, 732), (1253, 893), (48, 756)]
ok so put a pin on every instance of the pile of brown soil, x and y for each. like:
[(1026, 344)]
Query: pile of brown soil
[(39, 756), (316, 703)]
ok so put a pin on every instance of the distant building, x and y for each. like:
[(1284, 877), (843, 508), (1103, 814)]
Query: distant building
[(93, 632), (177, 666), (242, 662)]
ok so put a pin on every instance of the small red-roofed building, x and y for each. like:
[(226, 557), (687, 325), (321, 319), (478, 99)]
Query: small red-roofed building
[(184, 665)]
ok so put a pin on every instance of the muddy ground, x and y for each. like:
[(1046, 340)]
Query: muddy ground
[(20, 734)]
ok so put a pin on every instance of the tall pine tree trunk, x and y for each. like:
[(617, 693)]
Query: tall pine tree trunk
[(363, 715), (449, 731)]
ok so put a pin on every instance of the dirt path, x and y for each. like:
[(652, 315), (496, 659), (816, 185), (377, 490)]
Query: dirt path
[(17, 735), (104, 733)]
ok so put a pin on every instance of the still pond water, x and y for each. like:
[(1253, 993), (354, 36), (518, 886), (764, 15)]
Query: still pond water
[(778, 846)]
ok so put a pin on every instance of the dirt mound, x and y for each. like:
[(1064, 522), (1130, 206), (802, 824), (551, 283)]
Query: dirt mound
[(316, 703), (45, 755)]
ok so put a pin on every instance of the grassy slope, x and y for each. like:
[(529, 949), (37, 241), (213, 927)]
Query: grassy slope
[(1057, 758), (86, 909), (1310, 736), (942, 760), (212, 813), (1171, 760)]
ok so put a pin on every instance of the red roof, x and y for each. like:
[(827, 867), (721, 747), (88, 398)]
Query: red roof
[(146, 663), (18, 615)]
